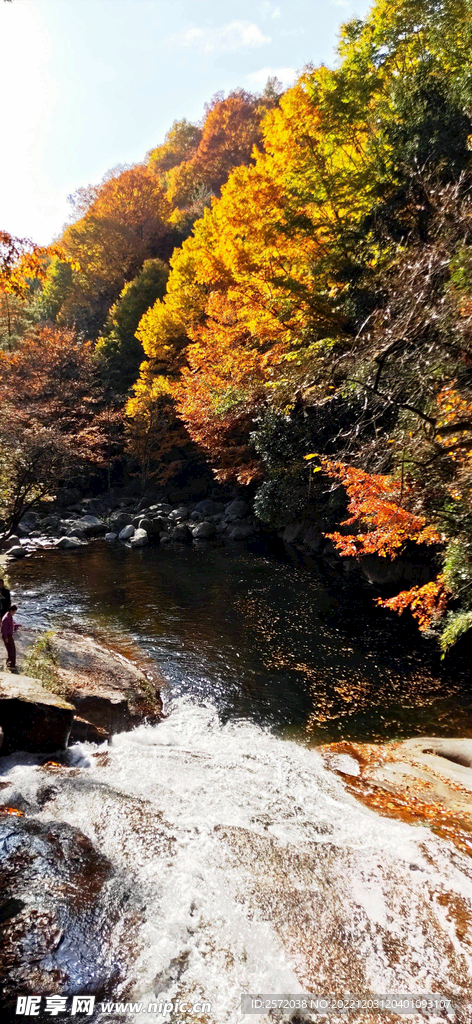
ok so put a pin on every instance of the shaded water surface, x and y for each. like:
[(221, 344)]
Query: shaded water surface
[(259, 638)]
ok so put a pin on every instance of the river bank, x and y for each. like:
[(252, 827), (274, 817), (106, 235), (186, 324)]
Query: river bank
[(70, 688)]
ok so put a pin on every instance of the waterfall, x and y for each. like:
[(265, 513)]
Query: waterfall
[(247, 867)]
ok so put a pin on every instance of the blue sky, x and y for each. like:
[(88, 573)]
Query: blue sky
[(90, 84)]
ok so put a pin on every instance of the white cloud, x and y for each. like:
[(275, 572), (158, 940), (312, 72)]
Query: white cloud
[(285, 75), (236, 35), (269, 11)]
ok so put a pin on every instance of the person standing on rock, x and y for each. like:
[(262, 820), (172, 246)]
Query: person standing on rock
[(8, 628), (5, 599)]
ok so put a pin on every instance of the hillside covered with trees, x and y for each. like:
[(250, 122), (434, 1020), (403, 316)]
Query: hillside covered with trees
[(283, 291)]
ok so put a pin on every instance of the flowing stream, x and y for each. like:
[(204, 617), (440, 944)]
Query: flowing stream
[(233, 859)]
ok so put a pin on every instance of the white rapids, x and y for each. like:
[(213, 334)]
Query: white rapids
[(258, 872)]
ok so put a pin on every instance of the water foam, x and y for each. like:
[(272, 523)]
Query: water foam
[(256, 870)]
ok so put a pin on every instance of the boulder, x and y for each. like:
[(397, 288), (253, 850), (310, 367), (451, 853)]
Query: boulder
[(69, 544), (51, 520), (182, 534), (208, 507), (96, 506), (59, 923), (29, 519), (179, 514), (32, 718), (204, 531), (12, 542), (126, 533), (154, 526), (139, 538), (241, 532), (293, 533), (119, 520), (237, 509), (111, 537), (105, 688), (17, 551), (86, 732), (313, 537), (91, 525), (67, 496), (74, 531), (162, 508)]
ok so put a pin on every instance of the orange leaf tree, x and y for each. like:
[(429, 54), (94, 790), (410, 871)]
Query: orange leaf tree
[(377, 507)]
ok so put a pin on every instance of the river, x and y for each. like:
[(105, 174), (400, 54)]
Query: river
[(239, 862)]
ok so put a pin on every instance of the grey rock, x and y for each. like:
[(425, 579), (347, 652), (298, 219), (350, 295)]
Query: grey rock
[(75, 531), (69, 543), (208, 507), (161, 508), (86, 732), (17, 551), (181, 533), (293, 532), (12, 541), (237, 509), (111, 537), (179, 514), (241, 532), (67, 496), (50, 520), (120, 519), (33, 719), (126, 533), (139, 539), (232, 524), (204, 531), (313, 537), (154, 526), (94, 505), (29, 519), (105, 688), (91, 525)]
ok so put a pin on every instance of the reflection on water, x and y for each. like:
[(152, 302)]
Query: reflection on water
[(261, 639)]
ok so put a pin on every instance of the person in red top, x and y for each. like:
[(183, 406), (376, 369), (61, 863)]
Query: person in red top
[(8, 628)]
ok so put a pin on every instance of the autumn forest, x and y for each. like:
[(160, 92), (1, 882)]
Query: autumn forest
[(282, 294)]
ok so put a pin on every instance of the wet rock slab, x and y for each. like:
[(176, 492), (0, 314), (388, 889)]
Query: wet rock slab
[(104, 688), (61, 909), (426, 779), (32, 718)]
